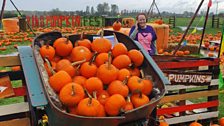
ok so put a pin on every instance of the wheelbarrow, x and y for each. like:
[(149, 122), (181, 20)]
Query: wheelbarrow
[(59, 117)]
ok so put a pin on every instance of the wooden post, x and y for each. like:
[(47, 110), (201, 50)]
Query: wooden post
[(213, 19), (189, 25)]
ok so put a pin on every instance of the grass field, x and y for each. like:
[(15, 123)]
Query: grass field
[(180, 22)]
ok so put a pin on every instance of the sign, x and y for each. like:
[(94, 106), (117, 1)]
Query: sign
[(6, 89), (95, 21), (194, 78)]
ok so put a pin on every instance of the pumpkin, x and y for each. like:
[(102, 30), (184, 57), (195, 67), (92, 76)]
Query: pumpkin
[(93, 84), (195, 124), (128, 106), (67, 66), (139, 99), (88, 69), (101, 58), (221, 121), (47, 51), (148, 84), (101, 111), (114, 104), (118, 87), (134, 71), (123, 73), (84, 42), (121, 61), (88, 107), (116, 25), (79, 80), (63, 46), (59, 80), (102, 96), (80, 53), (71, 94), (72, 110), (107, 72), (135, 83), (53, 65), (119, 49), (136, 57), (186, 52), (101, 44)]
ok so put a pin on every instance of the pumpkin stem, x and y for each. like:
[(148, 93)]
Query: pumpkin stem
[(94, 94), (115, 39), (49, 65), (128, 99), (90, 97), (67, 40), (73, 90), (125, 81), (109, 60), (81, 36), (77, 69), (142, 73), (78, 62), (93, 58)]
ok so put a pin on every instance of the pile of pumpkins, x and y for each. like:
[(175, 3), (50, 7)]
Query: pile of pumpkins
[(95, 79)]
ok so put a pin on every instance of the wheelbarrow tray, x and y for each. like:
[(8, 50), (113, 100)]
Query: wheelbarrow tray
[(58, 116)]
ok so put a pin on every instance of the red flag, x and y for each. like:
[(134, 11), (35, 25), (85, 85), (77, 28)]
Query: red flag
[(210, 3)]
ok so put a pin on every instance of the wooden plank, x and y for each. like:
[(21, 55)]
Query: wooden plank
[(178, 87), (14, 108), (9, 61), (16, 122), (189, 96), (183, 108), (188, 78), (189, 118), (187, 64)]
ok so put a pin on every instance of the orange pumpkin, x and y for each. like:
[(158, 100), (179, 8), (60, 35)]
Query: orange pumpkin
[(128, 106), (114, 104), (102, 96), (101, 58), (221, 121), (79, 80), (195, 124), (119, 49), (134, 71), (136, 57), (123, 73), (135, 83), (116, 25), (88, 107), (63, 46), (59, 80), (80, 53), (101, 45), (139, 99), (121, 61), (47, 51), (88, 69), (118, 87), (93, 84), (71, 94)]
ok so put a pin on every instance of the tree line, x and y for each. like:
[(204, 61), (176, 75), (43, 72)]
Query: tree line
[(102, 9)]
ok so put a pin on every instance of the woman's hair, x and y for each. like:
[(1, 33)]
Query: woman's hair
[(141, 14)]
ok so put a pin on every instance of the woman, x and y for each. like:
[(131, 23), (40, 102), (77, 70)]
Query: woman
[(144, 34)]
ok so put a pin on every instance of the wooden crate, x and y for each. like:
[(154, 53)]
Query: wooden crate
[(16, 113), (193, 91)]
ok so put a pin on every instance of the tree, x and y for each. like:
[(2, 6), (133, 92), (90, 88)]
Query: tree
[(87, 10), (103, 9), (92, 10), (114, 9)]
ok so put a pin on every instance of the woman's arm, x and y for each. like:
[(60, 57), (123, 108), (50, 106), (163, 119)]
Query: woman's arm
[(134, 33)]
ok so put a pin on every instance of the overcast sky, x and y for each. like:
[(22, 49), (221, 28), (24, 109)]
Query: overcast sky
[(177, 6)]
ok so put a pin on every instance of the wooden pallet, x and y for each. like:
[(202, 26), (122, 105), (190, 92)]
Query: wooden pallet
[(191, 79), (18, 113)]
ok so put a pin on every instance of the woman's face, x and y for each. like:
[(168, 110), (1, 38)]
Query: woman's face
[(142, 21)]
